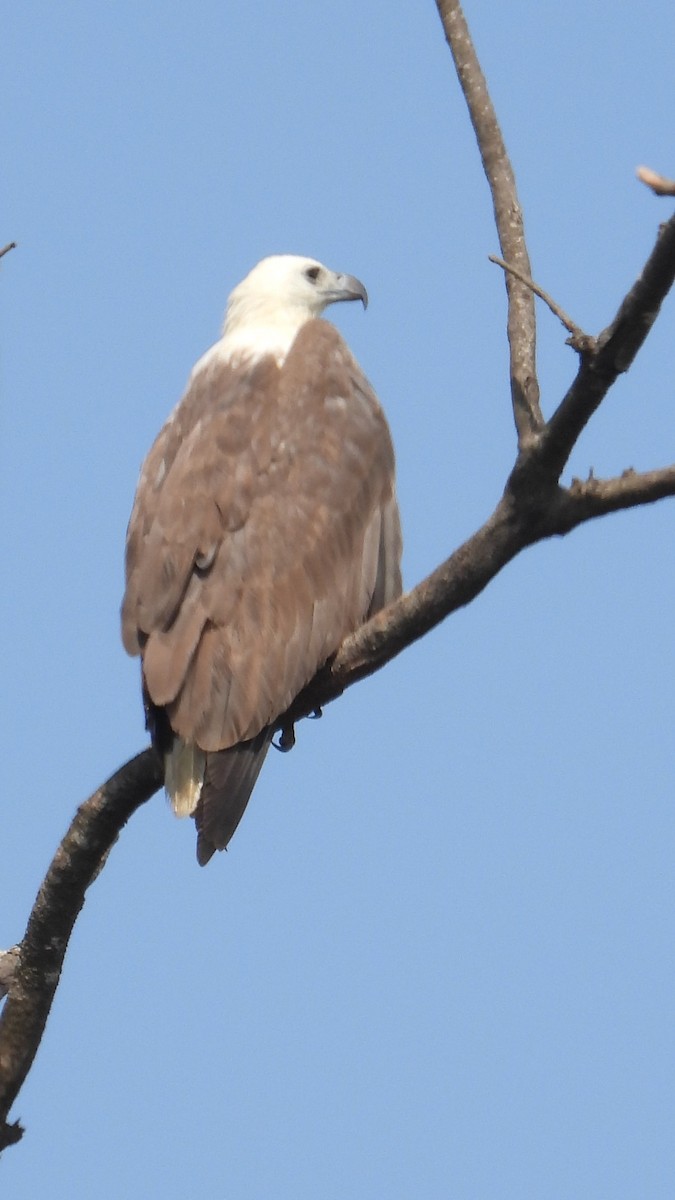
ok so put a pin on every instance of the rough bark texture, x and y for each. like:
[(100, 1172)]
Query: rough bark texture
[(78, 860), (521, 324)]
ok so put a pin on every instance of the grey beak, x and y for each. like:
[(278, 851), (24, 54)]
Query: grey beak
[(351, 288)]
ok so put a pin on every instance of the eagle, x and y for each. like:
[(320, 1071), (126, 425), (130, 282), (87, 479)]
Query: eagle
[(264, 530)]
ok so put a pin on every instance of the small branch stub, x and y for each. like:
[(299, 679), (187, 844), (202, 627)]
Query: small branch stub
[(9, 961), (658, 183)]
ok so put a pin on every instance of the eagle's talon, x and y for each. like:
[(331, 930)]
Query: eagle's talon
[(286, 739)]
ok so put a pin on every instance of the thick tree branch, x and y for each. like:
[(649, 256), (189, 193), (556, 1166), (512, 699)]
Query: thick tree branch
[(521, 320), (78, 860), (453, 584), (533, 507), (537, 510), (32, 970)]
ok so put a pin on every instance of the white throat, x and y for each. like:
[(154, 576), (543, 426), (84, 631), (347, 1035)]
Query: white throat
[(261, 334), (252, 339)]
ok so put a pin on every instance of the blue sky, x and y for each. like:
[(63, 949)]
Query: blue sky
[(438, 958)]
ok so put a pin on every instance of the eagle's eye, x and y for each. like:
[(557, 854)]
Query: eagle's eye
[(313, 273)]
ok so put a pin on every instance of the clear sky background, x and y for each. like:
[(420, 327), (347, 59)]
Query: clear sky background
[(437, 960)]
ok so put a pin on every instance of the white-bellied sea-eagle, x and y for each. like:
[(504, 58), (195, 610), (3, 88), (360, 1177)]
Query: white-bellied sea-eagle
[(264, 531)]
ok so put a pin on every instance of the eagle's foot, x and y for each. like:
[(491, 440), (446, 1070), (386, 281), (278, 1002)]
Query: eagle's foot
[(286, 738)]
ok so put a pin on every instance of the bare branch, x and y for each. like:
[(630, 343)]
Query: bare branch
[(534, 512), (658, 183), (579, 340), (521, 321), (6, 249), (593, 497), (76, 864), (615, 350), (549, 510)]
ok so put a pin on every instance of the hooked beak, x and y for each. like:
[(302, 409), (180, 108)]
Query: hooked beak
[(348, 287)]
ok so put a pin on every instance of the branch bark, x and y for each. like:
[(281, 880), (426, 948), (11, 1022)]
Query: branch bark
[(658, 183), (78, 860), (578, 339), (586, 499), (533, 506), (521, 319), (613, 352)]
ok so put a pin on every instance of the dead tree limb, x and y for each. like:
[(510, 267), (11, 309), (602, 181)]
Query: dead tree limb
[(78, 860), (534, 506), (577, 339), (521, 323), (612, 352), (658, 183)]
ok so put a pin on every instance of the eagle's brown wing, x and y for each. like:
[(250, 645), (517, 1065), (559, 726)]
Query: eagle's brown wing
[(265, 529)]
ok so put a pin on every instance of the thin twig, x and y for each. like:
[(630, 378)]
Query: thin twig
[(6, 249), (658, 183), (589, 498), (579, 340)]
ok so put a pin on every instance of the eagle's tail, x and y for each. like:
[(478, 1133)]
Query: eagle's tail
[(229, 778), (214, 786)]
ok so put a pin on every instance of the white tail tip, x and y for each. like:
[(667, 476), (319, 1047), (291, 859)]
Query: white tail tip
[(183, 776)]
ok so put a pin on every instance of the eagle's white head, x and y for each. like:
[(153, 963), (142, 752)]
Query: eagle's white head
[(266, 310)]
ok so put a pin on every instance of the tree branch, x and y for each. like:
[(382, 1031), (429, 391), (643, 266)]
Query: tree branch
[(658, 183), (521, 320), (533, 507), (613, 352), (535, 512), (78, 860), (590, 498), (33, 973), (453, 584), (578, 339)]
